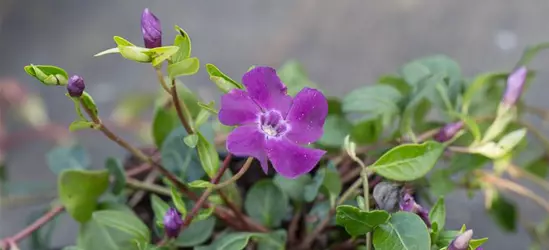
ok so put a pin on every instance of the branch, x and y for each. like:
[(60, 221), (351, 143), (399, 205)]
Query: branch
[(180, 108)]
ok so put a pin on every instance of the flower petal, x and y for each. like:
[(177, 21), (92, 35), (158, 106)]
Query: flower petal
[(267, 89), (291, 160), (306, 116), (248, 141), (237, 108)]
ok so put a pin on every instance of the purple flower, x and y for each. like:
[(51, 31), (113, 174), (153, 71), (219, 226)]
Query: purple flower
[(461, 242), (76, 86), (408, 204), (151, 29), (272, 124), (515, 85), (172, 223), (448, 132)]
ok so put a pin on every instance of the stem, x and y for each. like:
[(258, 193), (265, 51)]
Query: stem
[(239, 215), (366, 194), (514, 187), (517, 172), (237, 176), (181, 109), (294, 224), (161, 79), (133, 183)]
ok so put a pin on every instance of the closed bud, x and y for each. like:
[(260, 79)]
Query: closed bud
[(76, 86), (461, 242), (152, 30), (408, 204), (448, 132), (172, 223), (515, 85)]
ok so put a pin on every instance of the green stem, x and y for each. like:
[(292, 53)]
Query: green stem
[(133, 183), (237, 176), (365, 187), (181, 108), (161, 80)]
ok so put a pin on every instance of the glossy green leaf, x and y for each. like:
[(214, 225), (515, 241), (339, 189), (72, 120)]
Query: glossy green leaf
[(183, 42), (373, 100), (178, 202), (120, 41), (408, 161), (161, 54), (358, 222), (294, 188), (266, 203), (367, 131), (336, 127), (208, 155), (191, 140), (223, 82), (184, 67), (125, 222), (80, 189), (48, 74), (197, 233), (200, 184), (504, 213), (67, 157), (229, 241), (117, 171), (500, 149), (89, 103), (403, 231), (293, 75), (136, 54), (438, 213), (80, 125), (176, 156), (475, 243)]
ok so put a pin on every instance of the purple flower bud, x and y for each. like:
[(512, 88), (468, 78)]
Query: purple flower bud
[(172, 223), (461, 242), (448, 132), (408, 204), (515, 85), (152, 31), (76, 86), (479, 248)]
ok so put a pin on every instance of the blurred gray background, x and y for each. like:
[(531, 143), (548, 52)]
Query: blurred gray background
[(343, 44)]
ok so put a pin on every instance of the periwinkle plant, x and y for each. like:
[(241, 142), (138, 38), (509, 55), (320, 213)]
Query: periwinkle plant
[(330, 157)]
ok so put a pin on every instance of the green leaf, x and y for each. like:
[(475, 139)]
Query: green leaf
[(67, 157), (332, 184), (311, 190), (294, 188), (293, 75), (200, 184), (80, 189), (178, 157), (48, 74), (475, 243), (117, 171), (79, 125), (373, 100), (202, 117), (367, 131), (229, 241), (504, 213), (179, 204), (273, 241), (197, 233), (120, 41), (530, 52), (539, 167), (89, 103), (161, 54), (403, 231), (336, 127), (184, 67), (108, 51), (223, 82), (210, 107), (500, 149), (408, 162), (358, 222), (208, 155), (163, 123), (136, 54), (159, 207), (441, 183), (266, 203), (204, 213), (396, 82), (438, 213), (477, 84), (191, 140), (125, 222), (183, 42)]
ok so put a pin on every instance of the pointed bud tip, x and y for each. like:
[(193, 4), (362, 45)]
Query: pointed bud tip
[(461, 242), (76, 86), (515, 85), (448, 132), (151, 29)]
